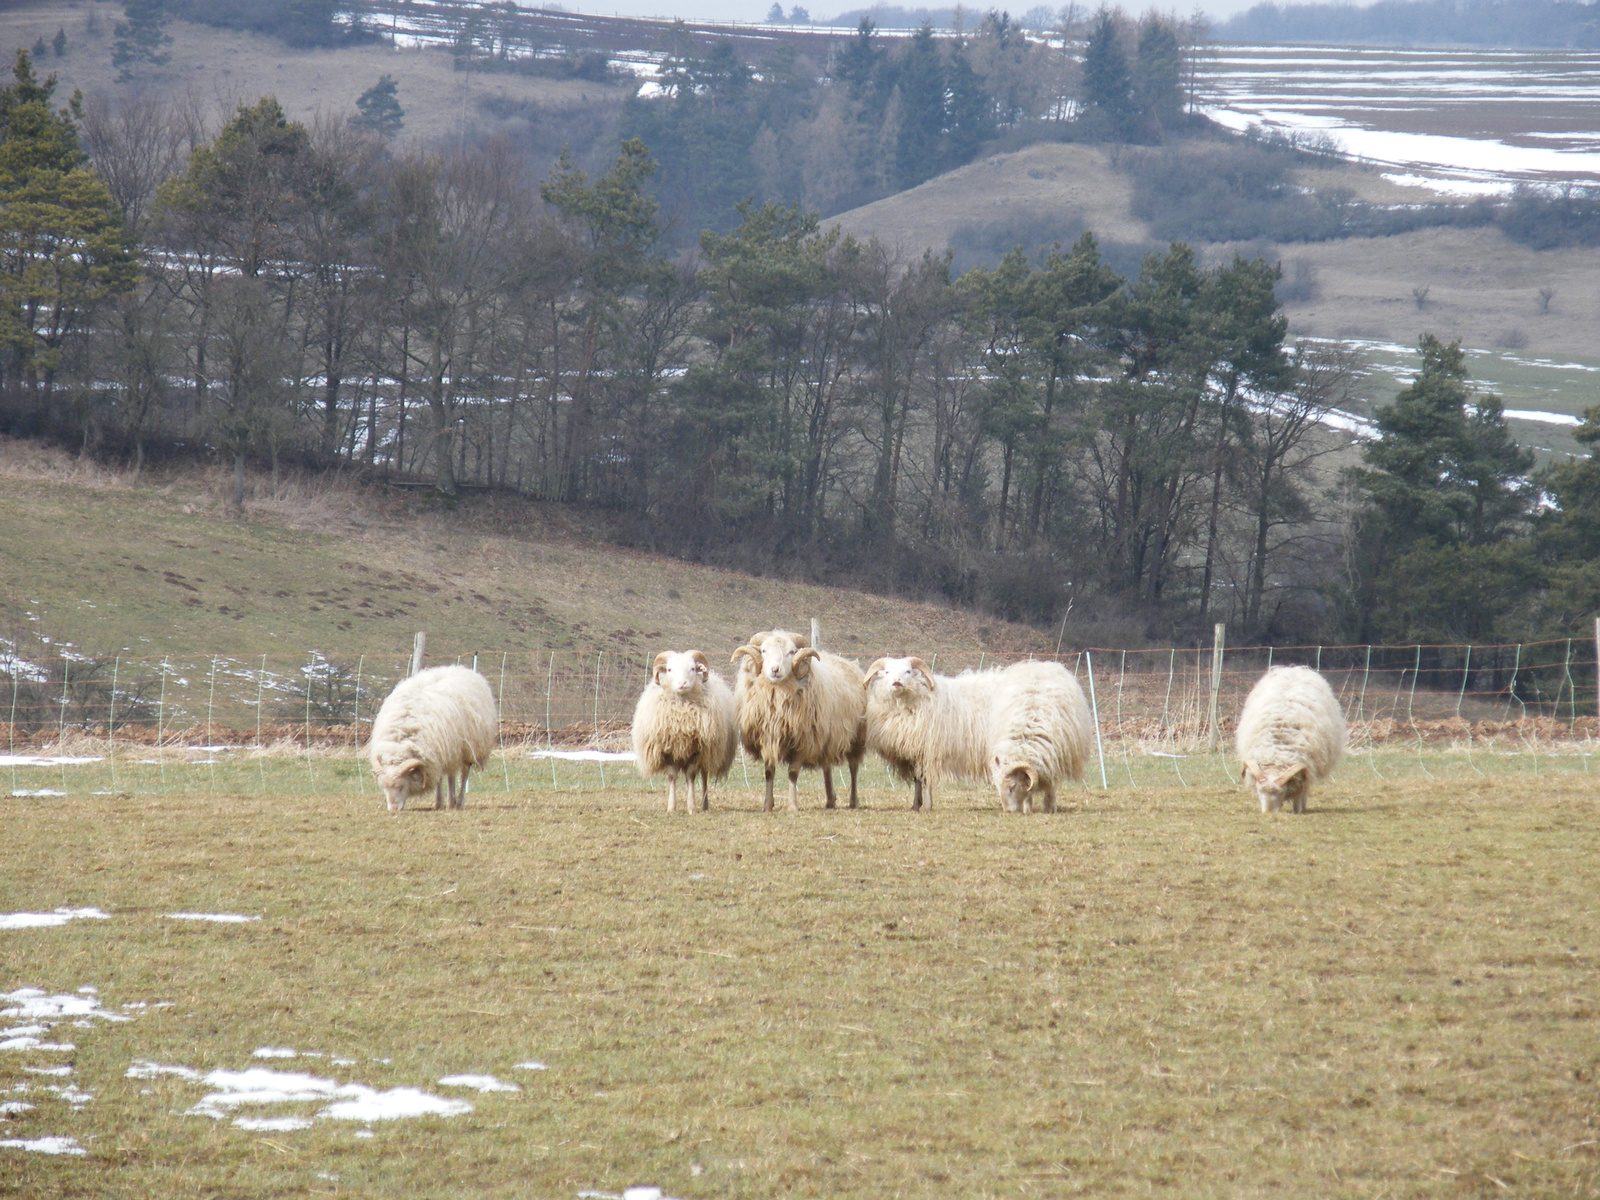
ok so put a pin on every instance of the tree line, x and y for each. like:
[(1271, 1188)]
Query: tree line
[(1039, 438)]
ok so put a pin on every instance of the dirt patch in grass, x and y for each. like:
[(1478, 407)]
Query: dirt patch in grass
[(1155, 991)]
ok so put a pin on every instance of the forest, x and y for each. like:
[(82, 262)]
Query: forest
[(1035, 438)]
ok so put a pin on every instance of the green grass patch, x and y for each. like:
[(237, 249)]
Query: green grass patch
[(1157, 990)]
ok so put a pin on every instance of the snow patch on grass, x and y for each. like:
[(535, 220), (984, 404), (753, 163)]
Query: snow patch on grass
[(480, 1083), (45, 1145), (218, 918), (49, 920)]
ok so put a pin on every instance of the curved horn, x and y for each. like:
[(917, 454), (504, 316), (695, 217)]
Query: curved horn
[(657, 667), (874, 671), (701, 660), (927, 672), (1251, 770), (749, 652), (803, 655), (1283, 780)]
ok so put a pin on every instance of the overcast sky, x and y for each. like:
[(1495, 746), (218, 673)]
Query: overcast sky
[(756, 10)]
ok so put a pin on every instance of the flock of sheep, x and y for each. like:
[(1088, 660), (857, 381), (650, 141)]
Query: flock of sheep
[(1026, 728)]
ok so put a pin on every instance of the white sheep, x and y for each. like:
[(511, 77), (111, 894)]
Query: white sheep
[(1291, 735), (436, 725), (930, 728), (1041, 731), (685, 722), (802, 707)]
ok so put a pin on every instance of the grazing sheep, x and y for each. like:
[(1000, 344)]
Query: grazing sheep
[(929, 728), (802, 707), (1291, 735), (1041, 730), (434, 726), (685, 722)]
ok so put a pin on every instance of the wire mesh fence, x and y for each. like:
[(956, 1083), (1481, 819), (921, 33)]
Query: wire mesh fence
[(1163, 715)]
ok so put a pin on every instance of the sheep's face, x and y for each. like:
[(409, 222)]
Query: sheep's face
[(682, 674), (1016, 786), (778, 660), (907, 680), (1273, 791), (402, 782)]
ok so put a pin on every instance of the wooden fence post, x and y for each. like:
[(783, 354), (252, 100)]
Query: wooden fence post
[(1218, 642), (816, 633), (419, 646)]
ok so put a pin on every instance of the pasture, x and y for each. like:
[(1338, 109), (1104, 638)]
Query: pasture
[(1155, 991)]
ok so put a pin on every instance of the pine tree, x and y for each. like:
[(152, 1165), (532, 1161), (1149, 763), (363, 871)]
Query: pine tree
[(141, 37), (919, 152), (1107, 85), (379, 110), (59, 42), (1441, 551), (1158, 86)]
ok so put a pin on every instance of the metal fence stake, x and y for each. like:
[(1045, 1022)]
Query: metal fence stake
[(1094, 705)]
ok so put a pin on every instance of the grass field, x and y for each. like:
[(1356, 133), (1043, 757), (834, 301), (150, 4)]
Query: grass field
[(344, 570), (1156, 991)]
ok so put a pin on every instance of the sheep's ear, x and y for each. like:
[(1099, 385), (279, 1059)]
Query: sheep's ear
[(874, 671), (804, 656), (702, 663), (659, 666), (927, 672)]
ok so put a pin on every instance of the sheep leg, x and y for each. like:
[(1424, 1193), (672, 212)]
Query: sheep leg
[(827, 788), (916, 795), (1049, 803), (855, 770), (672, 790), (461, 796), (767, 805), (438, 794), (705, 792), (794, 789), (1300, 797)]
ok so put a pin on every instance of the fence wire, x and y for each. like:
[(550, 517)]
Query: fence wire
[(1482, 704)]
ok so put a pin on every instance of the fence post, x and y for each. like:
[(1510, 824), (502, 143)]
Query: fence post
[(816, 633), (598, 659), (1597, 666), (419, 647), (1099, 748), (111, 722), (1219, 636), (500, 705)]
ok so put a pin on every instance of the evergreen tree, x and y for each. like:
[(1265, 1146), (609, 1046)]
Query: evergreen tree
[(919, 151), (63, 247), (59, 42), (141, 37), (1107, 84), (970, 109), (1447, 497), (379, 109), (1568, 535), (860, 61), (775, 14), (1158, 84)]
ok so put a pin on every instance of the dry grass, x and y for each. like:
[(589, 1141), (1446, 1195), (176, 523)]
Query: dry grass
[(223, 68), (1155, 992), (159, 565)]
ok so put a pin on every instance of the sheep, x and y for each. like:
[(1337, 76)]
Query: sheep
[(1026, 728), (929, 728), (686, 722), (434, 726), (802, 707), (1291, 735), (1040, 731)]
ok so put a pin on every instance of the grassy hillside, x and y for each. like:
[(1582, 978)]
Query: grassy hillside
[(220, 68), (158, 565)]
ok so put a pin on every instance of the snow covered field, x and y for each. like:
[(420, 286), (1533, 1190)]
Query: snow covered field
[(1465, 122)]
